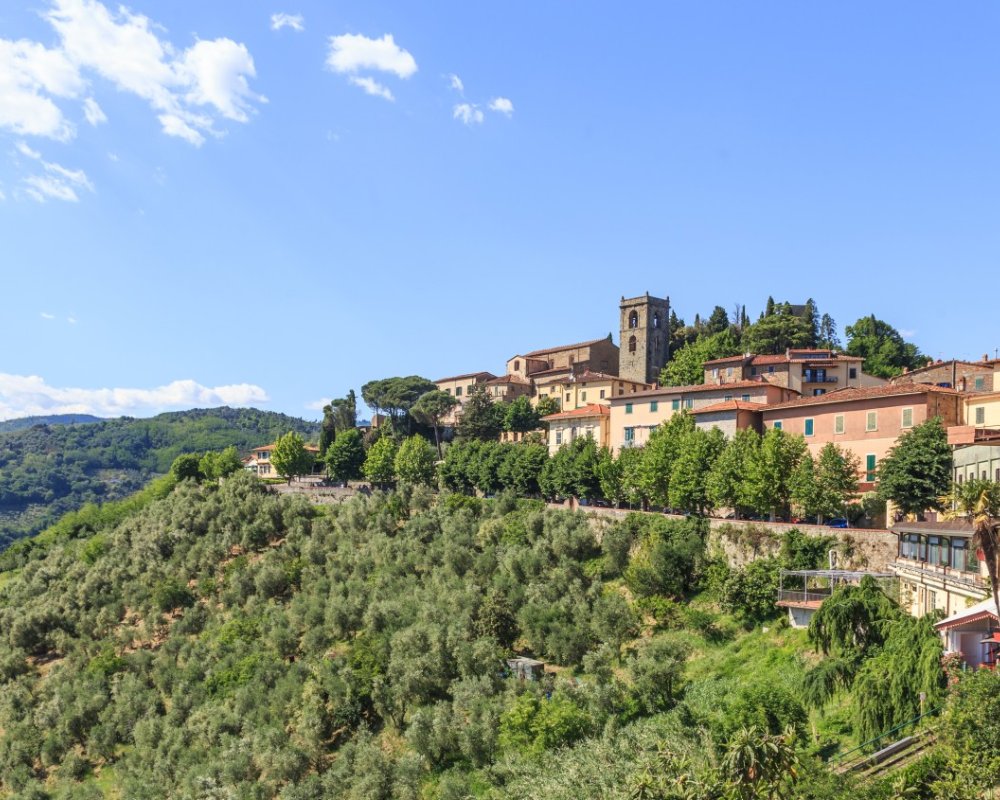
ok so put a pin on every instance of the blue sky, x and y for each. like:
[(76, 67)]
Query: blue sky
[(199, 208)]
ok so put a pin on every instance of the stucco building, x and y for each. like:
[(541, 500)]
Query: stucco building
[(866, 421), (599, 355), (966, 376), (809, 372), (460, 387), (976, 442), (635, 416), (937, 567), (592, 420), (577, 389)]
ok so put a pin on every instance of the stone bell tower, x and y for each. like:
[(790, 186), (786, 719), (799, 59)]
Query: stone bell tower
[(645, 342)]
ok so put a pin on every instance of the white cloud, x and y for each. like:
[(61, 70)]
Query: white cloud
[(126, 49), (353, 52), (26, 395), (282, 20), (71, 320), (469, 113), (502, 105), (456, 83), (46, 315), (30, 76), (57, 182), (317, 405), (94, 113), (372, 87)]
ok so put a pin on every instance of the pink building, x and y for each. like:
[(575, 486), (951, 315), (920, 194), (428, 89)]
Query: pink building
[(866, 421)]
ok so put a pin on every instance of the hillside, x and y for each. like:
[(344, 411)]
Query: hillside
[(224, 641), (21, 423), (49, 469)]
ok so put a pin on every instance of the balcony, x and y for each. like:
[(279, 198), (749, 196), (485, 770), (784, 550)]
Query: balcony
[(811, 598), (968, 434), (923, 569), (814, 377)]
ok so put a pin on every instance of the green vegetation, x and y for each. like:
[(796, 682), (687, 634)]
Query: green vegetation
[(48, 470), (916, 473), (882, 347), (223, 641)]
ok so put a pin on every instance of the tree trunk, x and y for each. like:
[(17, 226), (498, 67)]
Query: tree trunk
[(437, 441)]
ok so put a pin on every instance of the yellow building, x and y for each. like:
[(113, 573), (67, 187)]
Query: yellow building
[(577, 390), (976, 443), (259, 461), (460, 387), (809, 372), (592, 420)]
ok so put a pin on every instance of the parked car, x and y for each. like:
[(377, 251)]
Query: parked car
[(838, 522)]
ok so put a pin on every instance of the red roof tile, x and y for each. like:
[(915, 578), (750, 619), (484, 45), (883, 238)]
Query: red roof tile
[(589, 410), (730, 405), (702, 387), (850, 393), (550, 350), (488, 376), (508, 379)]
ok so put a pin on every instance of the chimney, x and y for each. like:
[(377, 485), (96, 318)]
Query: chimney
[(986, 356)]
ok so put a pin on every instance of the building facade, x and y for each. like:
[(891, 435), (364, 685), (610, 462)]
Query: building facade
[(809, 372), (460, 387), (937, 567), (976, 443), (592, 420), (575, 390), (635, 416), (645, 337), (598, 355), (865, 421), (966, 376)]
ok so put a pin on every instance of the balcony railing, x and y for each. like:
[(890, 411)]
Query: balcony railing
[(811, 377), (800, 596), (963, 576)]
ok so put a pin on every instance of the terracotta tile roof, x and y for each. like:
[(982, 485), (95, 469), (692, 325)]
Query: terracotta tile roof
[(565, 374), (798, 355), (988, 366), (726, 359), (934, 526), (702, 387), (488, 376), (269, 447), (979, 612), (589, 410), (550, 350), (850, 393), (508, 379), (730, 405)]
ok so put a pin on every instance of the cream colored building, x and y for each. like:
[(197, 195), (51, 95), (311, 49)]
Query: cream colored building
[(592, 420), (809, 372), (460, 387), (976, 442), (937, 567), (600, 355), (259, 461), (576, 390), (635, 416)]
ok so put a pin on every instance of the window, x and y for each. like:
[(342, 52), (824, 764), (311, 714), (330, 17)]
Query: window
[(870, 467), (656, 320), (602, 394), (689, 403), (628, 408), (715, 372), (818, 392), (631, 344), (726, 398), (871, 423), (517, 366), (753, 370), (675, 404), (567, 397), (745, 398), (838, 423), (980, 415), (583, 397), (629, 435), (458, 391), (933, 549), (777, 425), (979, 383), (469, 388), (729, 372), (633, 320), (931, 600), (909, 546), (907, 417), (770, 369), (852, 373), (962, 557), (809, 427), (559, 437), (654, 405)]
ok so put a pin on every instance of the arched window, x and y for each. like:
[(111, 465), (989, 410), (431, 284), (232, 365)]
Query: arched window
[(633, 320), (631, 344), (656, 320)]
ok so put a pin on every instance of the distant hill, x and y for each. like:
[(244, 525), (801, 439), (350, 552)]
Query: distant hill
[(53, 419), (49, 468)]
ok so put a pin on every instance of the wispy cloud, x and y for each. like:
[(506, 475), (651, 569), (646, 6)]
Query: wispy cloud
[(456, 83), (317, 405), (468, 113), (71, 320), (352, 53), (281, 20), (502, 105), (56, 182), (27, 395), (372, 87), (94, 113), (46, 315), (188, 89)]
